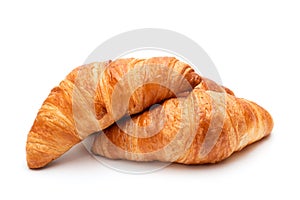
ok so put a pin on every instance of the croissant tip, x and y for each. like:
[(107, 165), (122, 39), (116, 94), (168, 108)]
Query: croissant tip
[(36, 159), (39, 155)]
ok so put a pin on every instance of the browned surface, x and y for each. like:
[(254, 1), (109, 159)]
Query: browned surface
[(82, 103), (53, 131), (205, 127)]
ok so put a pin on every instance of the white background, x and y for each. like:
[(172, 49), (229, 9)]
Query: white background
[(254, 44)]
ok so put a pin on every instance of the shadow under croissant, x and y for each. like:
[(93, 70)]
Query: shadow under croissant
[(79, 154)]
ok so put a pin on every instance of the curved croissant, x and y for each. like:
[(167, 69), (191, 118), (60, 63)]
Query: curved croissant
[(204, 127), (94, 96)]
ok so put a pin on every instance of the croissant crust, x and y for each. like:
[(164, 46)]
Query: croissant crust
[(88, 99), (204, 127)]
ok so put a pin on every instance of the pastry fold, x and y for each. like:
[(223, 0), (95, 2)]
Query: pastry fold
[(92, 97), (206, 126)]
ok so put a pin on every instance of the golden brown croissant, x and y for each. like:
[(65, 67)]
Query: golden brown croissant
[(204, 127), (93, 96)]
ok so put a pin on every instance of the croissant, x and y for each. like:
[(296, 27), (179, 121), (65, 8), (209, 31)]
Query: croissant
[(207, 126), (94, 96)]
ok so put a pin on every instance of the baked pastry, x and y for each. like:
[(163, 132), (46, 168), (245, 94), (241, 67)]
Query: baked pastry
[(204, 127), (94, 96)]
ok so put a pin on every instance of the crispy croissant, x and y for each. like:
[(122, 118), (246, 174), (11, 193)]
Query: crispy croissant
[(94, 96), (204, 127)]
